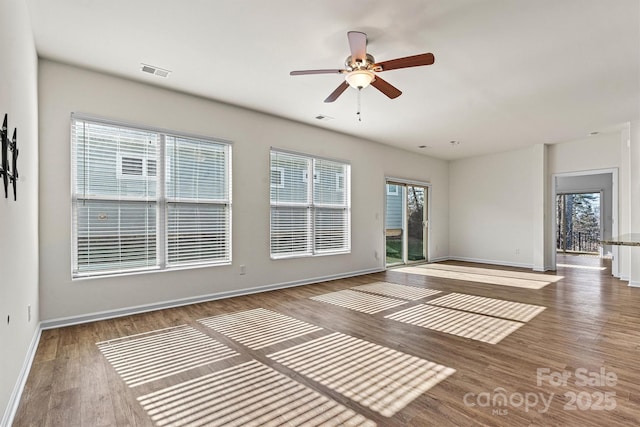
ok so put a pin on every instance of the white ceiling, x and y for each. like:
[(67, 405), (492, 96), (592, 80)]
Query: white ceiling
[(508, 73)]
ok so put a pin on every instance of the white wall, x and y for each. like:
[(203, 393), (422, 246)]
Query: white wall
[(594, 153), (18, 220), (491, 208), (65, 89), (591, 153), (495, 199)]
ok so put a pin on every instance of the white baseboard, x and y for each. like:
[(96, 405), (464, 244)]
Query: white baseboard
[(110, 314), (491, 262), (16, 394), (634, 283), (440, 259), (543, 269)]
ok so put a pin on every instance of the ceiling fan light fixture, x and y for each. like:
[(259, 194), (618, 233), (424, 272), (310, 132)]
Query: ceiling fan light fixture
[(359, 79)]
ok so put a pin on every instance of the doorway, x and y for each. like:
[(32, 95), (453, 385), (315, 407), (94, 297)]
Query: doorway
[(603, 182), (578, 223), (406, 223)]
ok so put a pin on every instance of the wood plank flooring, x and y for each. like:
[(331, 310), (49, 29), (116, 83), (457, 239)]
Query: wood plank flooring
[(293, 358)]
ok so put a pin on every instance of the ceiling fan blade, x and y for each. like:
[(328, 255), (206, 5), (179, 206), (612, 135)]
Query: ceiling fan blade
[(406, 62), (305, 72), (336, 93), (358, 45), (386, 88)]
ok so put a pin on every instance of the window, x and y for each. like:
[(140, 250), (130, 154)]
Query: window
[(309, 216), (147, 200), (392, 190)]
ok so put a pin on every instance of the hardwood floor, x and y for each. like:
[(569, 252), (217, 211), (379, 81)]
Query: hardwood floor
[(552, 349)]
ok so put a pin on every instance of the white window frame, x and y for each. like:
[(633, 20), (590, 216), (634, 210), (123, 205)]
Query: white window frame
[(161, 201), (311, 207), (392, 189)]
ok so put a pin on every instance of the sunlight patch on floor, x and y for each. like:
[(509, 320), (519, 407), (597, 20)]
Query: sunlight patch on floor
[(380, 378), (490, 306), (149, 356), (394, 290), (258, 328), (467, 325), (250, 394), (584, 267), (359, 301), (482, 276)]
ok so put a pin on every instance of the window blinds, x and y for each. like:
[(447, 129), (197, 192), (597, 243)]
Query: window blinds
[(310, 205), (144, 199), (197, 191)]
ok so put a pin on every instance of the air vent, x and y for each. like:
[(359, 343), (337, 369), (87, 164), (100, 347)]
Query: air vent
[(323, 118), (150, 69)]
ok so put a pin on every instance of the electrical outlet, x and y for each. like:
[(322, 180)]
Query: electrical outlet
[(243, 269), (517, 251), (375, 254)]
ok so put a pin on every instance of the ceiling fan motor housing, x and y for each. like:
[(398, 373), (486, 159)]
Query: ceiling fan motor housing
[(352, 64)]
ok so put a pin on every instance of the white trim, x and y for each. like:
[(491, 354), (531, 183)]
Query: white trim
[(110, 314), (393, 180), (491, 262), (634, 284), (614, 213), (16, 394)]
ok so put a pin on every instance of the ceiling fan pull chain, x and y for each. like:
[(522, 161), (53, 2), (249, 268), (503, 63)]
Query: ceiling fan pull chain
[(358, 112)]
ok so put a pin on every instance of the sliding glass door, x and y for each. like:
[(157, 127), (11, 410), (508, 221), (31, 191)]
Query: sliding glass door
[(406, 223), (416, 224)]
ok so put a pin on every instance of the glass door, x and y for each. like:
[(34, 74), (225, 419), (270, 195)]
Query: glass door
[(416, 224), (395, 224), (406, 223)]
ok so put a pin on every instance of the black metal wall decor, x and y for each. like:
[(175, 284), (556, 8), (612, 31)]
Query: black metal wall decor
[(9, 174)]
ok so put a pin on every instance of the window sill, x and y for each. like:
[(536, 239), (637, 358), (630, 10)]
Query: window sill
[(111, 274), (321, 254)]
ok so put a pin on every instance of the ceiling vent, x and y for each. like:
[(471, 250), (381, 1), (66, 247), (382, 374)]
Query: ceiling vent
[(154, 70), (323, 118)]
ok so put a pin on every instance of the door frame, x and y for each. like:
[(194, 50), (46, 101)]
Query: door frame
[(427, 229), (614, 213)]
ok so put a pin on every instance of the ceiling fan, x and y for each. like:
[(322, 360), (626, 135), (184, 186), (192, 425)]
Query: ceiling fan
[(361, 68)]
